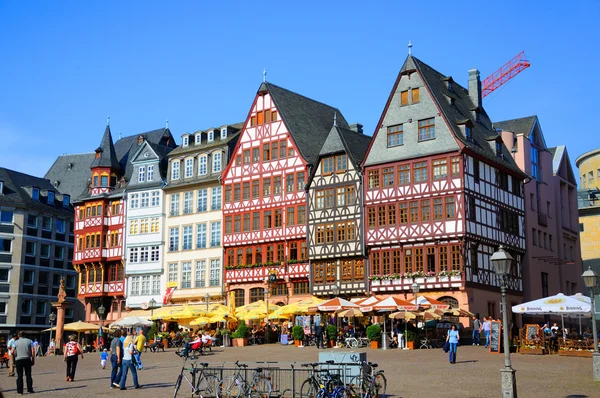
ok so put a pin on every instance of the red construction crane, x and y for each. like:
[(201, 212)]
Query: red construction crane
[(512, 68)]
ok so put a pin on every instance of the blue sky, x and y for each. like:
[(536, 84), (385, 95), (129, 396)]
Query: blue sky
[(67, 65)]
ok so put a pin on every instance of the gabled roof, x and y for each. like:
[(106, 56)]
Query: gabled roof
[(15, 194), (194, 148), (522, 125), (70, 173), (559, 154), (458, 111), (347, 141), (307, 120), (105, 153)]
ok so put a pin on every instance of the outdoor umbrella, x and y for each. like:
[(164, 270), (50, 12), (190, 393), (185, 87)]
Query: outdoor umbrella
[(430, 302), (458, 312), (351, 313), (173, 313), (79, 326), (130, 322), (302, 306), (583, 299), (335, 304), (390, 304)]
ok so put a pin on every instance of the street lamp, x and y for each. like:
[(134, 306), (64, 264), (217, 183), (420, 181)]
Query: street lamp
[(152, 303), (502, 261), (206, 298), (101, 311), (590, 278), (52, 318), (415, 289)]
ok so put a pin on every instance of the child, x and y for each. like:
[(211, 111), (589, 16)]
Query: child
[(103, 358)]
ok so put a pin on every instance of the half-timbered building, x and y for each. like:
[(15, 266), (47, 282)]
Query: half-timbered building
[(99, 221), (441, 193), (264, 195), (335, 218)]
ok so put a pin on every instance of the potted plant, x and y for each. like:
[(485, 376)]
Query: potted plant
[(331, 334), (374, 335), (163, 338), (297, 334), (240, 336), (411, 337), (152, 332)]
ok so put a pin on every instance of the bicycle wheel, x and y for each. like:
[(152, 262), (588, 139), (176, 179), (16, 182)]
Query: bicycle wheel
[(354, 343), (229, 388), (208, 386), (379, 386), (177, 385), (353, 388), (340, 393), (308, 389), (262, 389)]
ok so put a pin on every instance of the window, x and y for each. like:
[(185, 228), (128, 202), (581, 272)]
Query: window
[(440, 169), (50, 197), (425, 210), (198, 139), (141, 174), (474, 258), (536, 165), (289, 183), (420, 172), (395, 135), (450, 209), (438, 213), (223, 133), (189, 168), (211, 136), (472, 214), (134, 201), (47, 223), (29, 248), (255, 221), (404, 98), (255, 155), (476, 170), (455, 257), (66, 199), (186, 275), (144, 254), (202, 165), (215, 272), (427, 129), (416, 97), (277, 185), (173, 239), (350, 195), (544, 284), (202, 199), (266, 152), (175, 170), (404, 174), (60, 226), (301, 287), (175, 204), (278, 220), (155, 199), (215, 234), (150, 173), (443, 258), (414, 212), (154, 254), (403, 213), (134, 227), (388, 176), (341, 163), (282, 149), (4, 274), (216, 162), (340, 195), (327, 165), (145, 285), (187, 237), (550, 242), (300, 181), (186, 140), (188, 200), (216, 198), (274, 150), (104, 181), (35, 193), (28, 277), (201, 236), (455, 166), (200, 273), (373, 179), (172, 276), (26, 307)]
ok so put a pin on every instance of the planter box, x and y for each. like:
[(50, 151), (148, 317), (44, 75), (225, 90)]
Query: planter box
[(386, 282), (455, 278), (581, 354), (420, 280), (375, 283), (297, 343), (443, 278), (532, 351), (408, 281), (431, 279), (239, 342), (375, 344), (396, 281), (410, 345)]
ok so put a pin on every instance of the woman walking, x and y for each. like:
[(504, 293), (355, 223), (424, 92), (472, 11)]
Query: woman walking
[(452, 339), (128, 364), (72, 351)]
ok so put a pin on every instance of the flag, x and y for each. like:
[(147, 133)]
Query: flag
[(168, 295)]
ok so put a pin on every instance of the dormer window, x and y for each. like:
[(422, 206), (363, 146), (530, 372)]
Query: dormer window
[(104, 181), (185, 140), (468, 133), (140, 139), (216, 164), (202, 165), (1, 187), (50, 197), (498, 149), (223, 133), (35, 193), (142, 174), (477, 117), (175, 170), (66, 201), (449, 85), (211, 136), (98, 154), (198, 139)]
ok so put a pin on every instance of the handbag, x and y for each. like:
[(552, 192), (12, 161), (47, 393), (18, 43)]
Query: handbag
[(446, 347)]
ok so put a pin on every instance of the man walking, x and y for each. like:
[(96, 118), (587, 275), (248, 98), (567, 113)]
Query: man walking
[(24, 355), (319, 335), (140, 343), (116, 356), (11, 359), (476, 330)]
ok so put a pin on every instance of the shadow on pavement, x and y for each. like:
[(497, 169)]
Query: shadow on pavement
[(474, 360)]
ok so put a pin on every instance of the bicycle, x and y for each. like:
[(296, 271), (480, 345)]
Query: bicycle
[(368, 385), (332, 387), (322, 386), (205, 386), (238, 386)]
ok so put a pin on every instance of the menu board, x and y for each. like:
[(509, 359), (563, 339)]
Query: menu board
[(495, 336)]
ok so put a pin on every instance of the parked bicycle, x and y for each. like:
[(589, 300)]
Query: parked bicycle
[(370, 383), (322, 383), (203, 385), (355, 342), (238, 386)]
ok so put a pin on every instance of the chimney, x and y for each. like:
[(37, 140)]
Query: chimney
[(475, 87), (357, 127)]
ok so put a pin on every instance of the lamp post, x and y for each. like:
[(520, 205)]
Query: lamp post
[(152, 303), (52, 318), (590, 279), (101, 311), (502, 262), (206, 298), (415, 289)]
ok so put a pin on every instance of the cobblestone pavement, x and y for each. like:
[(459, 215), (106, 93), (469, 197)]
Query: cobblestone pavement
[(409, 373)]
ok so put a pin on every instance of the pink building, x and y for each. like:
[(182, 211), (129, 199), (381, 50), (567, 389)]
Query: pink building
[(552, 263)]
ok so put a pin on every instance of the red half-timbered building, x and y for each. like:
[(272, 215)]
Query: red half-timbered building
[(265, 209), (442, 192), (99, 221)]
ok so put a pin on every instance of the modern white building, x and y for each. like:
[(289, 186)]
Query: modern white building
[(145, 219)]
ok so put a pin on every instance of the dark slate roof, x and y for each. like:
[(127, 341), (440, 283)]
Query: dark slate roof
[(16, 194), (192, 147), (483, 134), (350, 142), (307, 120), (523, 125), (70, 173), (108, 157)]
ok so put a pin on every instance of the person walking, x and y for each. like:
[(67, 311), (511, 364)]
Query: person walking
[(72, 352), (487, 327), (11, 359), (140, 343), (452, 339), (476, 330), (116, 356), (319, 335), (128, 365), (24, 357)]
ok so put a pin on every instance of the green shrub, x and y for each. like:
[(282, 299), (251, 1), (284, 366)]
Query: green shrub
[(298, 332), (224, 332), (152, 332), (332, 332), (242, 331), (374, 332), (411, 335)]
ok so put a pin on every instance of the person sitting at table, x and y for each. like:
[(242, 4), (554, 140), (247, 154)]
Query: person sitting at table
[(587, 334)]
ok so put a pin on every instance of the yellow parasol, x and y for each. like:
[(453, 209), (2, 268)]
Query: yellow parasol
[(406, 315), (221, 318), (80, 326), (202, 320), (301, 307), (175, 313), (459, 312), (278, 315), (350, 313)]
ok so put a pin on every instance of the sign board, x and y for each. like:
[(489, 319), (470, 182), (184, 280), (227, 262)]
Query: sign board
[(495, 337), (532, 332)]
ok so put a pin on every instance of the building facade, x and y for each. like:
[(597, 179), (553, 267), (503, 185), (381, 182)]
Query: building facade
[(145, 219), (552, 263), (335, 215), (265, 199), (100, 213), (193, 231), (36, 252), (442, 193)]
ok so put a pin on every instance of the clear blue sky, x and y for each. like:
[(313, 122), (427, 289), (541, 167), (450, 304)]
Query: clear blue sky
[(66, 65)]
